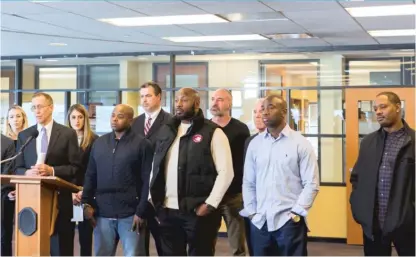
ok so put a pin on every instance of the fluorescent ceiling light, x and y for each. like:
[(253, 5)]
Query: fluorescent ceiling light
[(216, 38), (392, 33), (164, 20), (50, 60), (57, 44), (250, 17), (289, 36), (374, 11)]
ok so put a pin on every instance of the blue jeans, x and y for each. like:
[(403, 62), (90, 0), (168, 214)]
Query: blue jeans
[(105, 234), (289, 240)]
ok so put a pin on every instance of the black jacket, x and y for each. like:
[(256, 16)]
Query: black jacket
[(118, 175), (85, 157), (364, 179), (196, 167), (7, 150), (161, 119)]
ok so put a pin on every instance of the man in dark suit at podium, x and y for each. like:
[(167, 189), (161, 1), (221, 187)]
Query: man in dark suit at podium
[(147, 125), (55, 152)]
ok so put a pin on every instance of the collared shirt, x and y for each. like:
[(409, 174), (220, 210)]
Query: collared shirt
[(152, 115), (48, 128), (280, 176), (392, 144), (80, 138)]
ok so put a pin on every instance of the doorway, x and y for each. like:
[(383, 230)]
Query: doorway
[(360, 121)]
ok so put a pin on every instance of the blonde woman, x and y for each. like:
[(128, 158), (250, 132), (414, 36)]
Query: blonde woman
[(15, 121), (79, 121)]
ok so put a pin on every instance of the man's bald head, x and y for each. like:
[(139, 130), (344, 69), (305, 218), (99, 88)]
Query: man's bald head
[(121, 117), (221, 103), (225, 93), (187, 102), (189, 92), (126, 109), (257, 116)]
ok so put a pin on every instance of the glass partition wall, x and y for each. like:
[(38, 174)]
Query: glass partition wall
[(313, 84)]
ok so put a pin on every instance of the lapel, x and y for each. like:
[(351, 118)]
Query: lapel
[(156, 125), (31, 148), (54, 137), (140, 124)]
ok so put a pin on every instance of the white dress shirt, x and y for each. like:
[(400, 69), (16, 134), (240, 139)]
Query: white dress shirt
[(152, 115)]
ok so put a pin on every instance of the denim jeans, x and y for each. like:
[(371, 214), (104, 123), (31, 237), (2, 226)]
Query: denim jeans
[(105, 234)]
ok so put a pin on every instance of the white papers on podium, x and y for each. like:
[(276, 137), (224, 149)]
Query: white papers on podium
[(77, 213)]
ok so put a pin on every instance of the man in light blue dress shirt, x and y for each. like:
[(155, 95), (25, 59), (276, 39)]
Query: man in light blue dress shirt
[(280, 183)]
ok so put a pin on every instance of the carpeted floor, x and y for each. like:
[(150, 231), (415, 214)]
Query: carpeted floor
[(314, 249)]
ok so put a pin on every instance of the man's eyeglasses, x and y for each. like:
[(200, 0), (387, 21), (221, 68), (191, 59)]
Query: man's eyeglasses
[(38, 107)]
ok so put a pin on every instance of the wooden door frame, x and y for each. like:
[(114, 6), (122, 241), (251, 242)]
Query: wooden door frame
[(352, 96)]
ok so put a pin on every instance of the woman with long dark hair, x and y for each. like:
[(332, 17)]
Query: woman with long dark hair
[(78, 120)]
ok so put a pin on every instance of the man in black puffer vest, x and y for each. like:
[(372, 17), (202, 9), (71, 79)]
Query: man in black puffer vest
[(192, 170)]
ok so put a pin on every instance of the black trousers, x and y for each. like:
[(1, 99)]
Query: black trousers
[(7, 217), (380, 245), (179, 230), (62, 241), (151, 227), (85, 231)]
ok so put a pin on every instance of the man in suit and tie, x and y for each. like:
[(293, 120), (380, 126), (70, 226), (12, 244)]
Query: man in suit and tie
[(55, 152), (147, 125)]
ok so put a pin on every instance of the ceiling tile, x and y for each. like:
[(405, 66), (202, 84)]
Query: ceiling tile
[(162, 8), (388, 22), (21, 44), (273, 27), (168, 31), (90, 26), (297, 6), (223, 7), (257, 27), (25, 7), (350, 41), (231, 28), (302, 42), (372, 3), (255, 44), (396, 40), (339, 13), (89, 9), (27, 25)]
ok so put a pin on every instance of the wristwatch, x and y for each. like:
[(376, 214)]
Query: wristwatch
[(295, 217)]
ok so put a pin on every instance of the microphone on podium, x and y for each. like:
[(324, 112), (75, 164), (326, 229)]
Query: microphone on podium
[(34, 135)]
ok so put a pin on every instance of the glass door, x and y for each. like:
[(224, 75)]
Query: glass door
[(360, 121)]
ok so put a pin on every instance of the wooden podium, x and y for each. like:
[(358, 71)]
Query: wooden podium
[(40, 194)]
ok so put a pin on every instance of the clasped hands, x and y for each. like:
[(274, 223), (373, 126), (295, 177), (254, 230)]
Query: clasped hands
[(40, 170)]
